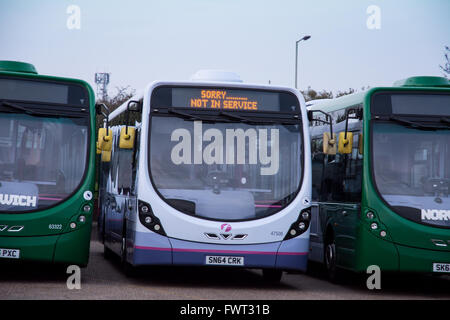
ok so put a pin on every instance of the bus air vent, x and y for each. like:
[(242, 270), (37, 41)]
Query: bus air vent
[(239, 237), (212, 236)]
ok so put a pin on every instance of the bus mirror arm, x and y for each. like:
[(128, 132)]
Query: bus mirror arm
[(103, 110), (329, 119), (351, 113), (130, 108)]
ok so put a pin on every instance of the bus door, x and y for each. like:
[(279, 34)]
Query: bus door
[(316, 234), (341, 192)]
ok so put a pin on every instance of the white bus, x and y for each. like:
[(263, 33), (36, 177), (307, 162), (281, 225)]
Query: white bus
[(216, 173)]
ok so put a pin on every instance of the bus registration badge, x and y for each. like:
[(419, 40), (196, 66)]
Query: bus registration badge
[(441, 267), (224, 261), (9, 253)]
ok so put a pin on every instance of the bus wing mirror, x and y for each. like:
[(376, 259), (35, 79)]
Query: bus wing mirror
[(345, 144), (106, 156), (127, 134), (102, 110), (126, 140), (134, 106), (104, 142), (329, 143)]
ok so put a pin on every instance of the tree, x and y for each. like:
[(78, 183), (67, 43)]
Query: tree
[(311, 94), (344, 93), (446, 67), (122, 95)]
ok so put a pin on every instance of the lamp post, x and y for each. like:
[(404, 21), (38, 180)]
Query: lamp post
[(296, 56)]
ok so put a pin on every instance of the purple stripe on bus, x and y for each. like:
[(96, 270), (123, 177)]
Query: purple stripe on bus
[(223, 251)]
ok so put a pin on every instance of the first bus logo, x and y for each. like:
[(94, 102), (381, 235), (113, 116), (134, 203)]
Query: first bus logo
[(225, 227)]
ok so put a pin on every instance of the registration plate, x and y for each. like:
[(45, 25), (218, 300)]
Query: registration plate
[(9, 253), (441, 267), (225, 261)]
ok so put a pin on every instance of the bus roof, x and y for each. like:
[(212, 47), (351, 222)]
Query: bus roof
[(330, 105), (17, 66), (423, 82), (231, 84)]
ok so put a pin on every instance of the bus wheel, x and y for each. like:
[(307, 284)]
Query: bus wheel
[(272, 275), (107, 253), (330, 261), (126, 267)]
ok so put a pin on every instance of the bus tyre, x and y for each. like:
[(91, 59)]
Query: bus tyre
[(330, 262), (107, 253), (272, 275), (127, 268)]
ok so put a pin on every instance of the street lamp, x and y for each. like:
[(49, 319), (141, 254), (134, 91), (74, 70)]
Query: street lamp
[(296, 56)]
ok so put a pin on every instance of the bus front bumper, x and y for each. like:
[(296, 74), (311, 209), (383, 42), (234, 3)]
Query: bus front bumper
[(394, 257), (285, 255), (67, 248), (420, 260)]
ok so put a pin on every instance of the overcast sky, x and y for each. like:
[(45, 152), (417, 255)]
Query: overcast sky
[(142, 41)]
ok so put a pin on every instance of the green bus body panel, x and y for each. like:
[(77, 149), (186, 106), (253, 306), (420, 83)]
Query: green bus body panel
[(68, 248), (37, 241), (413, 240), (16, 66), (74, 246), (428, 82), (407, 246)]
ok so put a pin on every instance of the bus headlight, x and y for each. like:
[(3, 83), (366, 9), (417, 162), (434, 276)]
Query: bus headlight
[(374, 226), (301, 225), (305, 215), (148, 218), (370, 215), (86, 208)]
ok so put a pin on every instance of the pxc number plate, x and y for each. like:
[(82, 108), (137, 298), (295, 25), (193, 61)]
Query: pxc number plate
[(9, 253), (225, 261), (441, 267)]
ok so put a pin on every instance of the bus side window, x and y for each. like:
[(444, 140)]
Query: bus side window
[(342, 176), (124, 173), (318, 158), (353, 172), (135, 164), (114, 162)]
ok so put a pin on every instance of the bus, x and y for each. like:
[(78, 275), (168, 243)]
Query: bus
[(46, 166), (381, 181), (214, 173)]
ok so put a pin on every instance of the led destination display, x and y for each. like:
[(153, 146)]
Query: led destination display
[(225, 99)]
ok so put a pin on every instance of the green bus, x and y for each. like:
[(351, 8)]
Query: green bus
[(381, 179), (47, 166)]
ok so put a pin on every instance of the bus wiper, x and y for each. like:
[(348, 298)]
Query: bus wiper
[(445, 120), (413, 124), (28, 111), (245, 119), (184, 115), (233, 116), (16, 107)]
